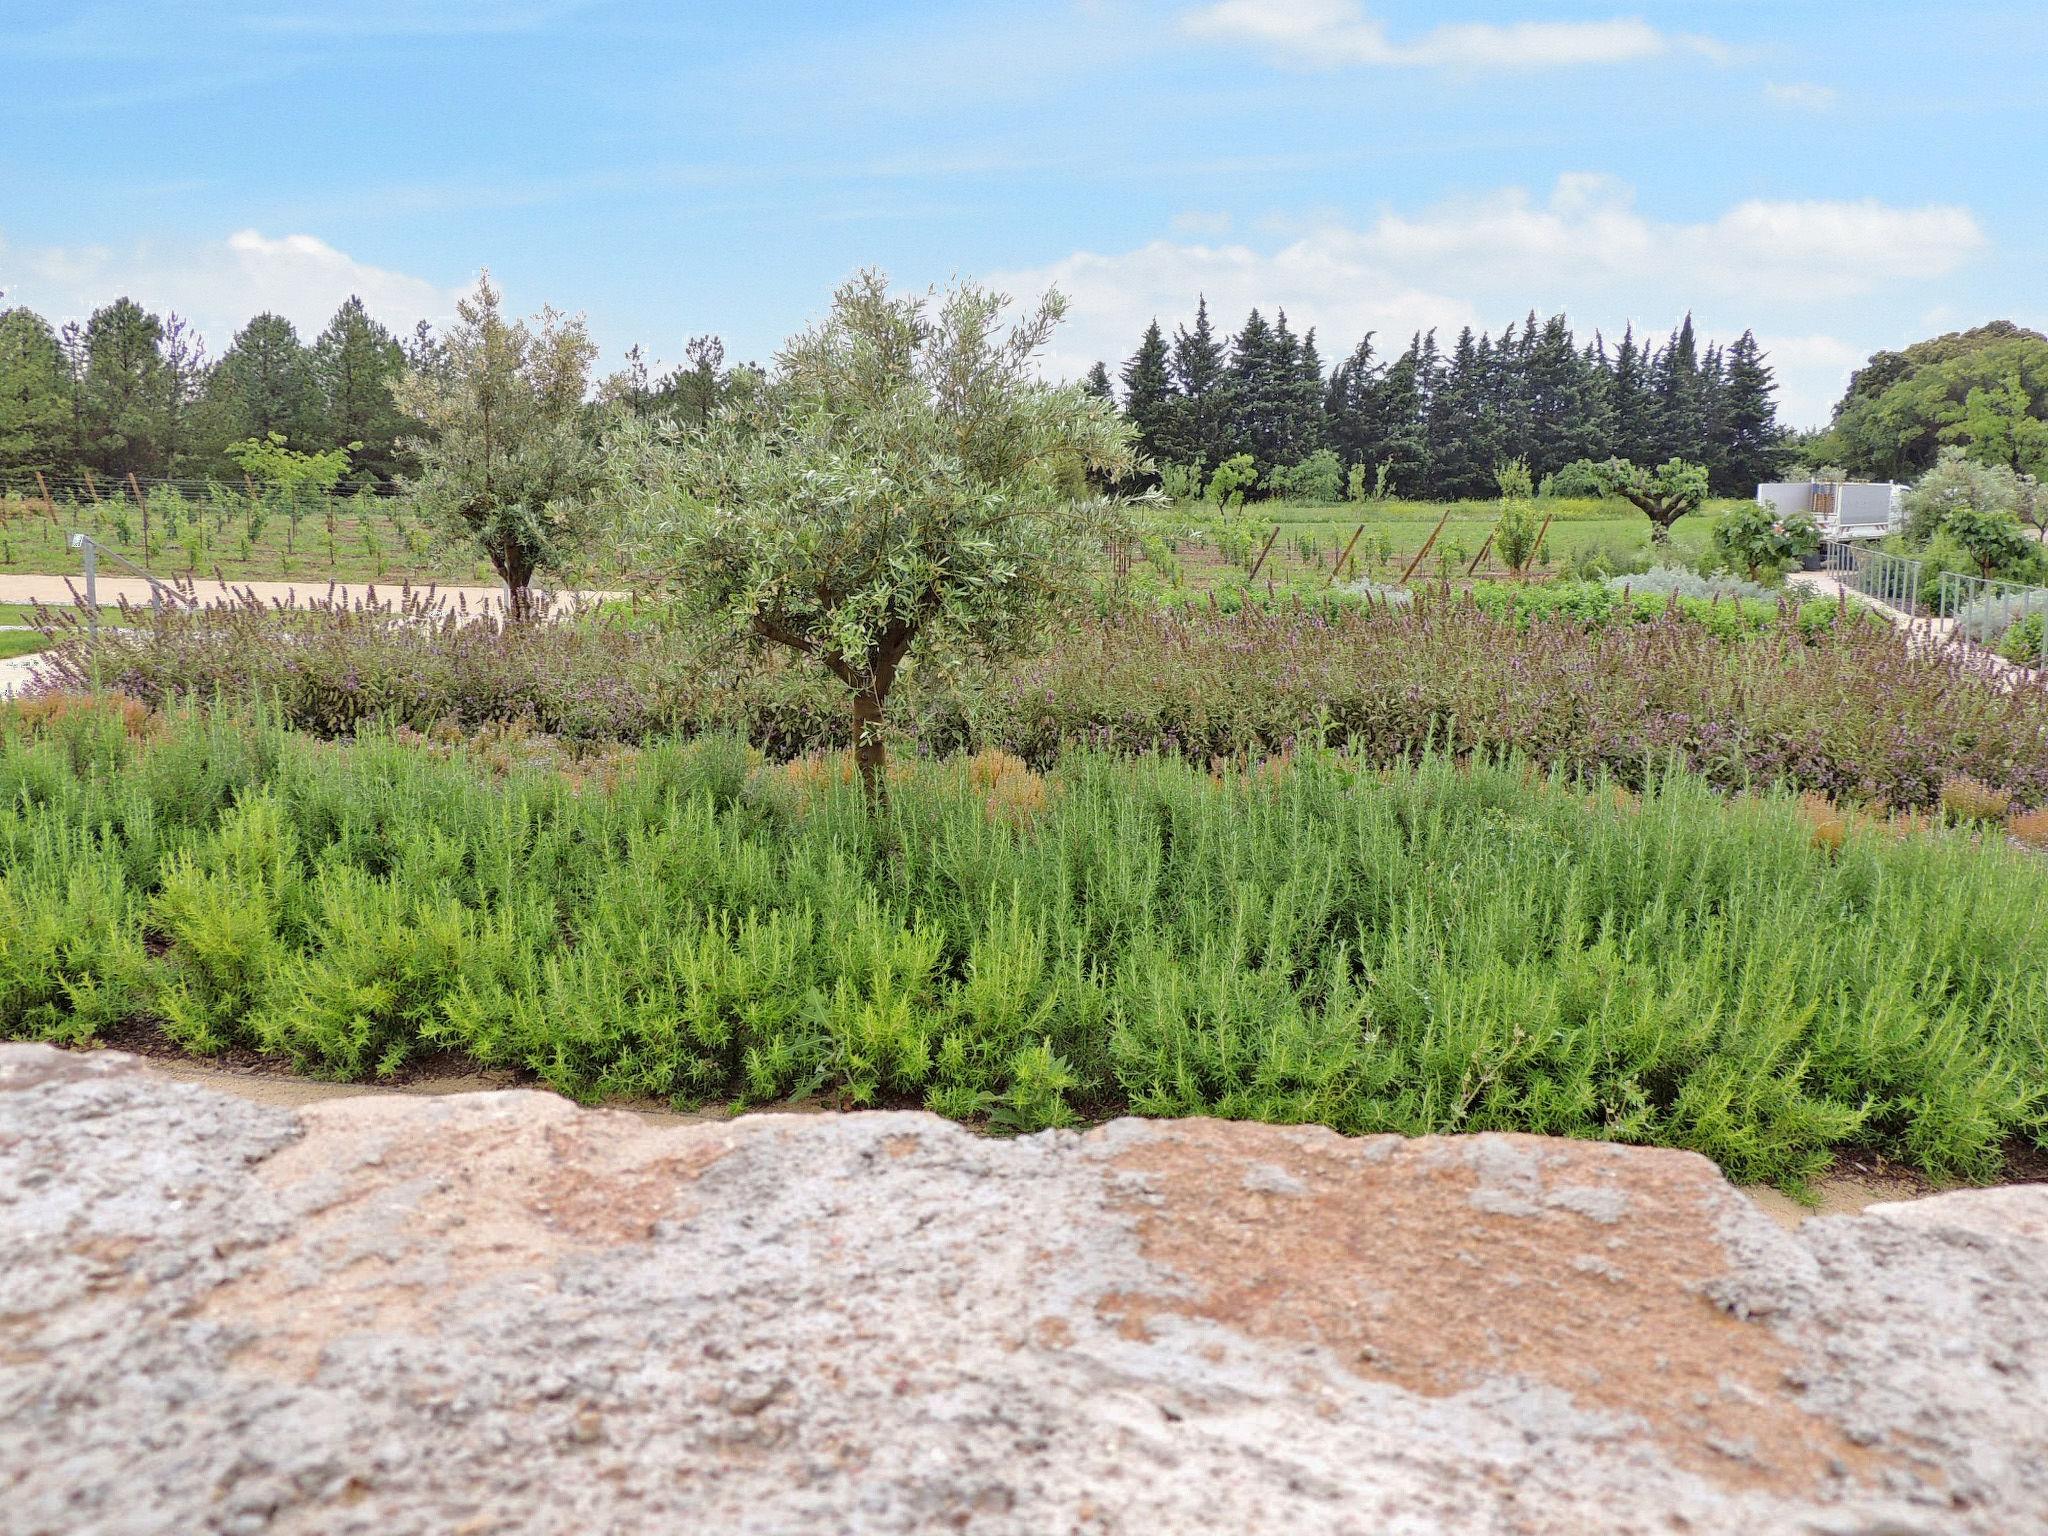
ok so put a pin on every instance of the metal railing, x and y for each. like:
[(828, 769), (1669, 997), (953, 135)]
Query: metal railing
[(90, 549), (1892, 580), (1982, 610)]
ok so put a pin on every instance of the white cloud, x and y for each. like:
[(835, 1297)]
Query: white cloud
[(1330, 34), (1807, 95), (1586, 249), (219, 285), (1196, 223)]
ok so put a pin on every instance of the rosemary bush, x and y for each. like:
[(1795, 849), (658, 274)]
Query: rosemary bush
[(1429, 947)]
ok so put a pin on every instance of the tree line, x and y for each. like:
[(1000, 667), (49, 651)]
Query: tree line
[(131, 392), (1435, 424)]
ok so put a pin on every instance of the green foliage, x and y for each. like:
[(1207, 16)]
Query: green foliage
[(1181, 482), (1664, 494), (903, 482), (1760, 542), (1983, 392), (1317, 480), (271, 460), (1956, 482), (1995, 540), (1512, 476), (35, 394), (1422, 948), (1234, 478), (505, 461)]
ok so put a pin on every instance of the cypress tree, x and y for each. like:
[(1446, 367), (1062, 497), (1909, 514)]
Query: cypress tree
[(1150, 399), (1200, 434), (1311, 427), (1350, 408), (1253, 408), (1753, 444), (1629, 403), (1678, 398)]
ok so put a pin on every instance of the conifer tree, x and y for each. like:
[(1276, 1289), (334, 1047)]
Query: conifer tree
[(1202, 413), (122, 390), (264, 383), (35, 395), (1753, 445), (1253, 426), (1629, 404), (1150, 399), (355, 362)]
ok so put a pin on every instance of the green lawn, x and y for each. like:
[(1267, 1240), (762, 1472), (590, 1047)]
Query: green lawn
[(19, 642)]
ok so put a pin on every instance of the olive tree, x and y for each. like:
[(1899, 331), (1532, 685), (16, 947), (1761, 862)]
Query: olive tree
[(505, 457), (902, 484), (1664, 494)]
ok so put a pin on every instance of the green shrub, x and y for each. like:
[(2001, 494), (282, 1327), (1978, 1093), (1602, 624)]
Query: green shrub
[(1318, 938)]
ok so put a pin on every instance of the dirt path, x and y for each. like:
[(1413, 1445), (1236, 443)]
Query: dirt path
[(1840, 1194), (112, 589)]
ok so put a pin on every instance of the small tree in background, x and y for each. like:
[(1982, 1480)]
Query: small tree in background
[(904, 484), (1234, 476), (505, 460), (1514, 535), (1995, 540), (272, 460), (1664, 494), (1759, 542), (1317, 479), (1957, 483)]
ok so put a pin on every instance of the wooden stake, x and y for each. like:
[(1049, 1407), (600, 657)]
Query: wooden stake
[(1482, 553), (1536, 548), (91, 489), (1427, 545), (141, 502), (1338, 569), (1254, 574), (49, 504)]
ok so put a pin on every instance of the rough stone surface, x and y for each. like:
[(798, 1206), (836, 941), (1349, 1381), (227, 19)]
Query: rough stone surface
[(500, 1313)]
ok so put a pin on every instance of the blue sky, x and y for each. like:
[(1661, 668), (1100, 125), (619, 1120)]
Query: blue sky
[(1838, 176)]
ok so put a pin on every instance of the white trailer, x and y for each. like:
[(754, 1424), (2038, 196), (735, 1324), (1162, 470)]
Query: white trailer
[(1845, 509)]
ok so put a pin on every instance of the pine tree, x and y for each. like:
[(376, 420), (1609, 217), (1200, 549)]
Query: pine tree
[(1254, 407), (264, 383), (355, 362), (1201, 432), (35, 395), (185, 435), (1752, 449), (1150, 399), (1629, 404), (1097, 382), (122, 391)]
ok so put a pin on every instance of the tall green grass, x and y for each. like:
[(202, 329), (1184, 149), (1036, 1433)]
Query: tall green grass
[(1417, 949)]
